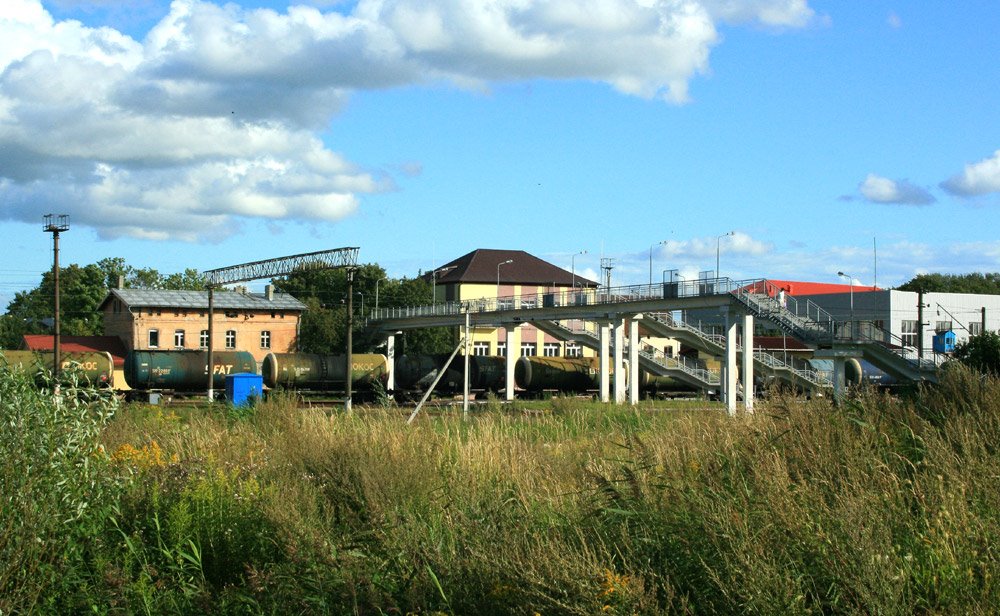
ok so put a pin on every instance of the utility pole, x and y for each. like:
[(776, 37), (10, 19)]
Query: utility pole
[(920, 324), (55, 227), (348, 384)]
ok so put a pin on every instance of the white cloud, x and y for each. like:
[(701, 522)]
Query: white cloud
[(977, 179), (213, 116), (879, 189)]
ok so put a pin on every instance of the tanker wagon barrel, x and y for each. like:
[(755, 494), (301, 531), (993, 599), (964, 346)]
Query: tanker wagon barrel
[(322, 372), (96, 367), (568, 374), (184, 370), (417, 372)]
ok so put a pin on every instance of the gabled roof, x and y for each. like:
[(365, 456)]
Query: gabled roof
[(480, 266), (78, 344), (198, 300)]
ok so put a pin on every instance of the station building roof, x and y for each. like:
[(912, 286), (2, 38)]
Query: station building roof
[(799, 288), (198, 300), (480, 266)]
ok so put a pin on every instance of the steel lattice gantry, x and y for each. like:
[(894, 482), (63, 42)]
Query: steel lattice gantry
[(283, 266), (346, 258)]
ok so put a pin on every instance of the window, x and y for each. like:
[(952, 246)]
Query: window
[(231, 314), (573, 350), (203, 339), (550, 349), (178, 338), (505, 303), (230, 338), (529, 349), (908, 332), (528, 303), (265, 339), (942, 326), (975, 329), (154, 339), (481, 349), (501, 349)]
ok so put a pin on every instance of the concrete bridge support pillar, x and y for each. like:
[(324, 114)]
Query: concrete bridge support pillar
[(509, 364), (633, 359), (604, 366), (729, 389), (748, 394), (619, 360), (390, 357)]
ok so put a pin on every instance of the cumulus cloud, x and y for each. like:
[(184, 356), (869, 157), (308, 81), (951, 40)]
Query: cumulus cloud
[(214, 115), (977, 179), (879, 189)]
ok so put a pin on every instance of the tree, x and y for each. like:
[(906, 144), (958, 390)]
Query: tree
[(981, 352), (324, 325), (988, 284)]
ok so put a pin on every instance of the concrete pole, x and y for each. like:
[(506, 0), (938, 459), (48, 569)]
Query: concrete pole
[(731, 369), (390, 356), (603, 363), (633, 360), (511, 358), (748, 393), (211, 344), (349, 358), (619, 360), (839, 379), (465, 388)]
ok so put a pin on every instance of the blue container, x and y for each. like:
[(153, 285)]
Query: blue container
[(243, 388), (944, 342)]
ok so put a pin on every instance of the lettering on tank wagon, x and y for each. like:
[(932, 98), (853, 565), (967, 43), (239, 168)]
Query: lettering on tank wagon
[(83, 365), (158, 371), (223, 369)]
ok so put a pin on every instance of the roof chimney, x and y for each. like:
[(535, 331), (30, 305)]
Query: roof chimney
[(121, 282), (269, 292)]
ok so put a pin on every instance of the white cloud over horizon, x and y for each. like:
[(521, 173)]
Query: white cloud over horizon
[(976, 179), (878, 189), (215, 116)]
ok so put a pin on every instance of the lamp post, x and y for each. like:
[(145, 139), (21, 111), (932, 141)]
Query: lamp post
[(55, 227), (572, 266), (362, 302), (651, 259), (718, 243), (498, 274), (851, 279)]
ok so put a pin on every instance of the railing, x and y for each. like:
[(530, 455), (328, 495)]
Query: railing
[(684, 364), (565, 297)]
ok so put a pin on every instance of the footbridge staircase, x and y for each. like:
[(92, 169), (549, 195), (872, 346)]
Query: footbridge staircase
[(803, 319)]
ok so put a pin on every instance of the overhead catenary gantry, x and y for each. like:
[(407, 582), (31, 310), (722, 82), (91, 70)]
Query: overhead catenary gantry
[(336, 258)]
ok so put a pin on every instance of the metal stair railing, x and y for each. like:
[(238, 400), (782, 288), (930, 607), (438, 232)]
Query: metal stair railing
[(683, 364), (769, 360)]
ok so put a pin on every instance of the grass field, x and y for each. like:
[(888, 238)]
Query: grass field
[(884, 505)]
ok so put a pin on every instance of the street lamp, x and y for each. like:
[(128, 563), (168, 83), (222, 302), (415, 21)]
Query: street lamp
[(362, 302), (651, 260), (851, 278), (498, 274), (718, 243), (572, 266), (55, 227)]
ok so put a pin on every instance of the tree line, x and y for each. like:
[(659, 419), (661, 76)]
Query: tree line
[(324, 292)]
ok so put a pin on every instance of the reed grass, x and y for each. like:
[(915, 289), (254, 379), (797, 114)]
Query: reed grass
[(883, 504)]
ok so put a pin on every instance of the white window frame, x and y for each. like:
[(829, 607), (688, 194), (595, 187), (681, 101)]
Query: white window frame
[(529, 349), (265, 339), (573, 350), (230, 338), (501, 349), (179, 336), (153, 338), (550, 349), (481, 349), (203, 339)]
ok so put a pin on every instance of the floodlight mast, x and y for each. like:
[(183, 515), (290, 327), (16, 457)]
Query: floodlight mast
[(346, 258)]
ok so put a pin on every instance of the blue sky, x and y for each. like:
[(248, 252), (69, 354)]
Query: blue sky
[(196, 134)]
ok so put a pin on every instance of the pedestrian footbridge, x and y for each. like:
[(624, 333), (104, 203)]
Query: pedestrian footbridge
[(608, 311)]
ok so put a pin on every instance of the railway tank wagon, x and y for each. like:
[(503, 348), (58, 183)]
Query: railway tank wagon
[(184, 371), (417, 372), (308, 371), (567, 374), (96, 368)]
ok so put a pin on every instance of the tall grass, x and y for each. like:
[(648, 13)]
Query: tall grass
[(882, 505)]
